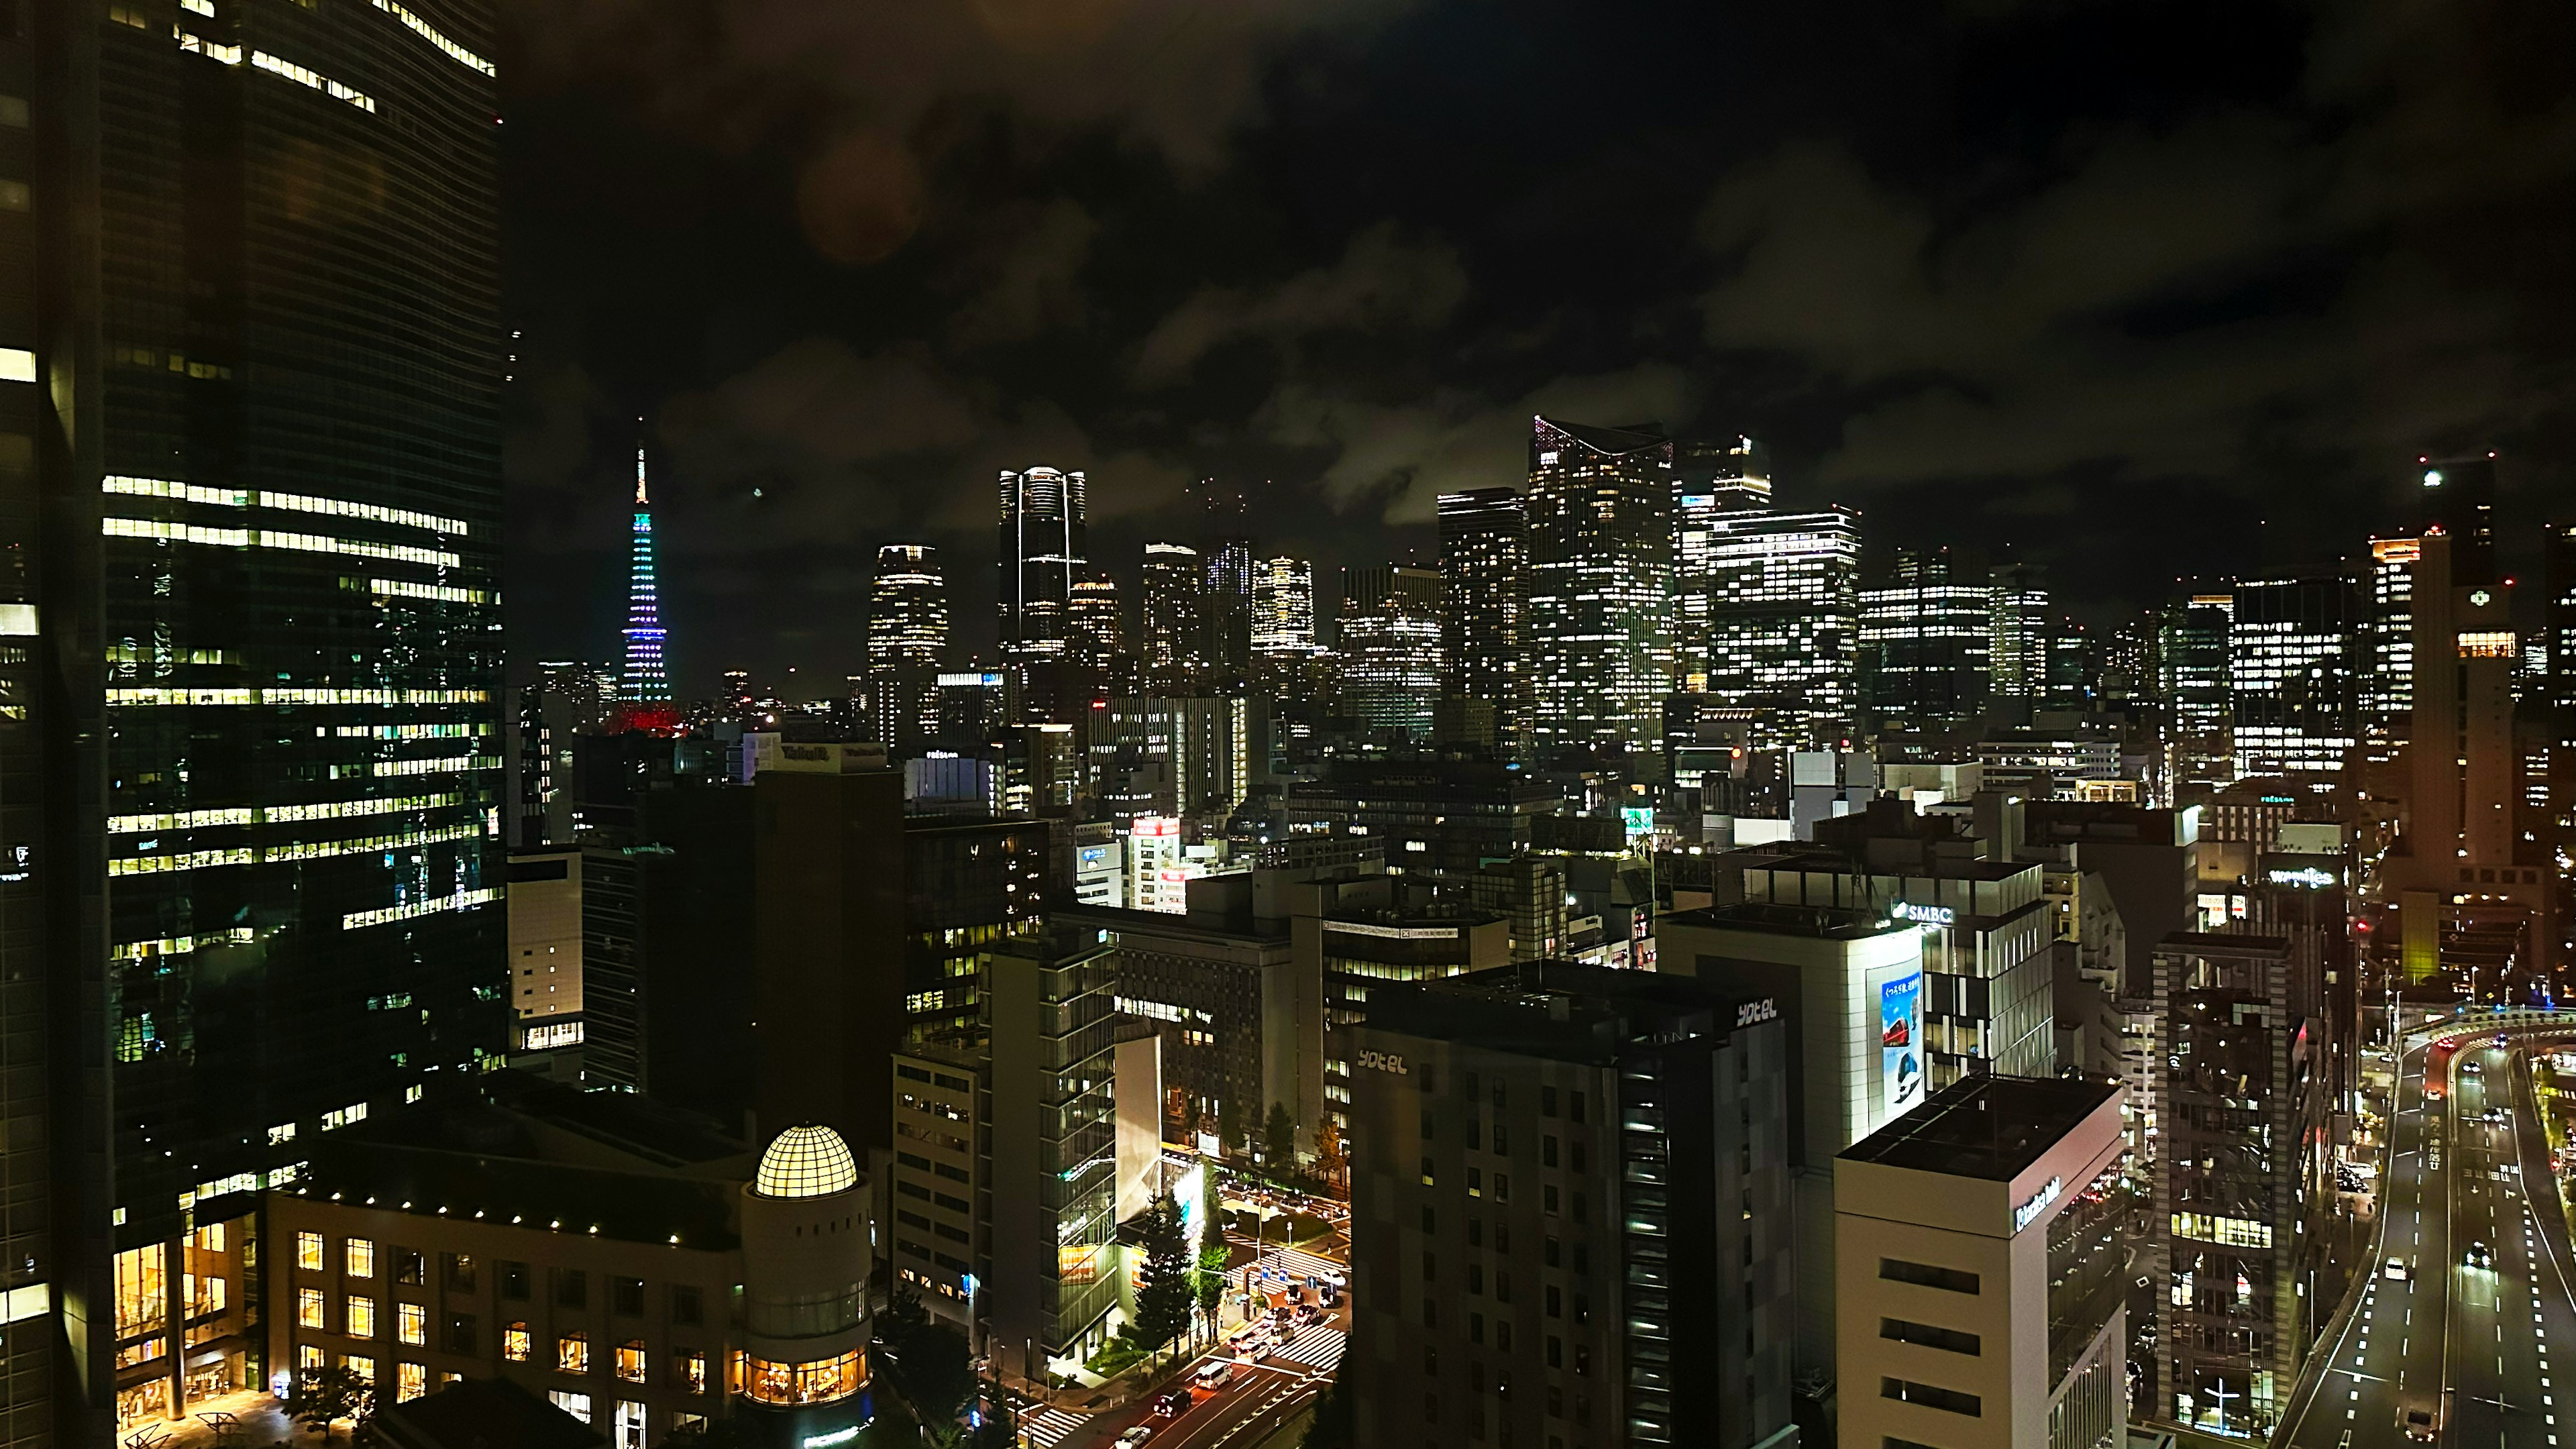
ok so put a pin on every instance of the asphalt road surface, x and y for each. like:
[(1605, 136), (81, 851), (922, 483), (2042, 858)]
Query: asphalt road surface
[(2478, 1347)]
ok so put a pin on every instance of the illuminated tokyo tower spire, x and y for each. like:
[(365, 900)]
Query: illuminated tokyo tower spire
[(644, 688)]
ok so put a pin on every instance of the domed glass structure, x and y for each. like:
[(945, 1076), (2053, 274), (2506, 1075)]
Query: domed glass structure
[(806, 1161)]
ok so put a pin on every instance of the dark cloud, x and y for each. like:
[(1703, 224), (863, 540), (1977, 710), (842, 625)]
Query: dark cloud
[(1384, 282)]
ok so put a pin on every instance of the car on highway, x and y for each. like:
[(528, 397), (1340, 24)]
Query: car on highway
[(2421, 1425), (2396, 1268), (1213, 1376), (2479, 1255), (1135, 1436), (1173, 1404)]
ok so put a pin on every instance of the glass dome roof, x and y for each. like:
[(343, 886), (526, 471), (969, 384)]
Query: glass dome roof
[(806, 1161)]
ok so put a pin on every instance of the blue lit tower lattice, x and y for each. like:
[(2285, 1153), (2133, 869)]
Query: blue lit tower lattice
[(644, 689)]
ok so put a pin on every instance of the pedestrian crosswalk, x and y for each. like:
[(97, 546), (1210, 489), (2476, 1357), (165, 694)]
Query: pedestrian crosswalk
[(1052, 1426), (1318, 1348), (1299, 1262)]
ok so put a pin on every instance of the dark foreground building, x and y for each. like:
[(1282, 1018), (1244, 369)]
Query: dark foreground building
[(1570, 1213)]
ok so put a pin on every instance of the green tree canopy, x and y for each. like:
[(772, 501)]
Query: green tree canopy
[(1164, 1296)]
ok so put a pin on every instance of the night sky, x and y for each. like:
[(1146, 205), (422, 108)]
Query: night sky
[(2101, 283)]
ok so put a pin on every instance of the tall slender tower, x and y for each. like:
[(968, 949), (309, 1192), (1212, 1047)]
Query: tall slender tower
[(644, 687)]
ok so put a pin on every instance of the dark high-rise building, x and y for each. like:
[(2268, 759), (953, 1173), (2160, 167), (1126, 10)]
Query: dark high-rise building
[(253, 780), (2244, 1180), (1225, 610), (1043, 532), (1570, 1212), (2191, 683), (1926, 631), (2558, 619), (566, 699), (1597, 627), (1484, 550)]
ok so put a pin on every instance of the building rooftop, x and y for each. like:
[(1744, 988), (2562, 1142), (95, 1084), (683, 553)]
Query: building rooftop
[(483, 1414), (1830, 923), (1984, 1127), (1564, 1010)]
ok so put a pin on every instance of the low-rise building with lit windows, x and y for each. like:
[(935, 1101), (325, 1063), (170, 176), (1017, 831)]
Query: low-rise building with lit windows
[(627, 1263)]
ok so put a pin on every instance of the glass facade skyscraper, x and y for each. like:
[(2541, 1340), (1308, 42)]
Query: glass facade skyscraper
[(1283, 609), (262, 895), (1484, 547), (1174, 592), (1597, 628), (1783, 622), (1925, 636), (2019, 652), (2293, 675), (907, 640), (1391, 647)]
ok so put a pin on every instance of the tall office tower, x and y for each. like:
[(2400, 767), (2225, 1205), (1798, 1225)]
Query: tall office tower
[(1198, 755), (2074, 673), (1622, 1139), (1391, 647), (250, 770), (1175, 588), (1096, 633), (907, 638), (2020, 650), (1783, 631), (1283, 609), (2293, 679), (2388, 661), (907, 607), (1596, 632), (645, 685), (1484, 548), (1709, 478), (2191, 679), (1925, 631), (1225, 551), (2461, 865), (2244, 1112), (1043, 534), (566, 699)]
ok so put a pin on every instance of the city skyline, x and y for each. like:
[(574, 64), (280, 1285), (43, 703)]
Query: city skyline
[(1341, 300)]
